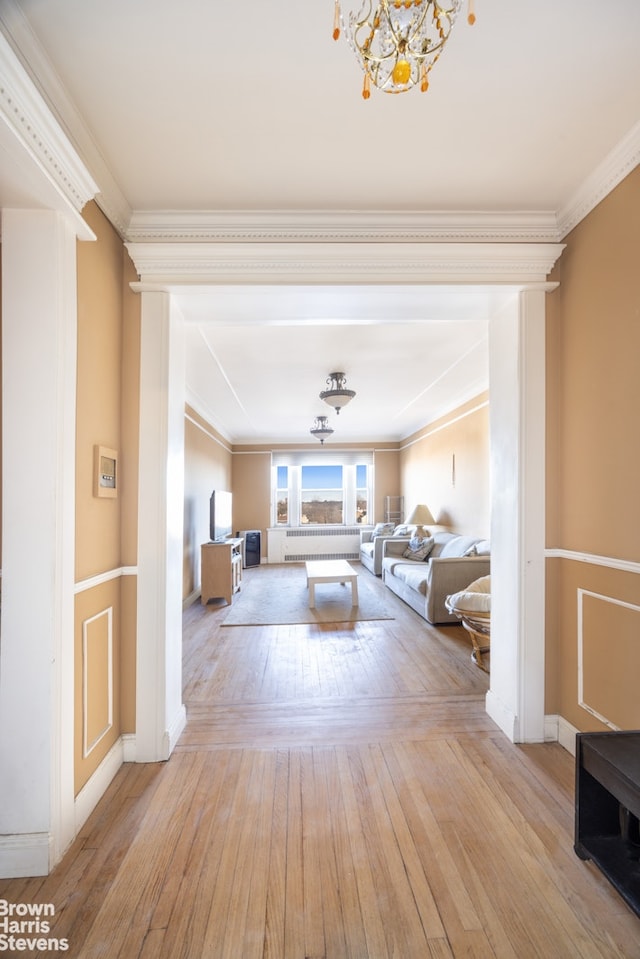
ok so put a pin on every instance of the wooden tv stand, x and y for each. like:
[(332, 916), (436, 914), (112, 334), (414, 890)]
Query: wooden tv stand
[(608, 808), (220, 570)]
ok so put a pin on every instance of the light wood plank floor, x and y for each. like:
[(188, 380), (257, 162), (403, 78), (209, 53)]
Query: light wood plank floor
[(339, 792)]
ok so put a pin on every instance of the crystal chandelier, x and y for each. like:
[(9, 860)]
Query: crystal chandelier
[(398, 41), (321, 429), (337, 395)]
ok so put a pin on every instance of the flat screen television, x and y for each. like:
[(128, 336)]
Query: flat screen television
[(220, 516)]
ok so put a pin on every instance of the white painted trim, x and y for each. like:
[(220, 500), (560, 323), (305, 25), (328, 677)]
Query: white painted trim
[(129, 747), (581, 593), (614, 168), (95, 787), (424, 434), (43, 141), (175, 730), (502, 715), (216, 439), (88, 747), (163, 266), (567, 735), (160, 713), (24, 855), (341, 226), (624, 565), (551, 729), (22, 38), (85, 584), (189, 600)]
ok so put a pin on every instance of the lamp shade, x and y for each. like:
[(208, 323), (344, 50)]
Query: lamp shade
[(420, 516)]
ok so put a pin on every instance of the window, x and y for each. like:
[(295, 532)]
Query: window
[(322, 495), (282, 495), (362, 493), (306, 492)]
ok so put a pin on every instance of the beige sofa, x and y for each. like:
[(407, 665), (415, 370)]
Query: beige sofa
[(453, 563), (372, 544)]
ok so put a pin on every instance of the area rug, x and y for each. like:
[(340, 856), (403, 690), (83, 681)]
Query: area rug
[(279, 596)]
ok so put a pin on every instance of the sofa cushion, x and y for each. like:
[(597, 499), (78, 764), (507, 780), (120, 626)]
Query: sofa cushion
[(457, 546), (481, 548), (441, 538), (367, 548), (382, 529), (419, 547), (413, 574)]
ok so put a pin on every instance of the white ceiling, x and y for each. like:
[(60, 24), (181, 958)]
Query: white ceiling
[(249, 108)]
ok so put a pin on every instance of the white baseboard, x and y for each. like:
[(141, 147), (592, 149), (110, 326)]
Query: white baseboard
[(172, 735), (567, 735), (189, 600), (501, 716), (24, 855), (129, 747), (95, 788)]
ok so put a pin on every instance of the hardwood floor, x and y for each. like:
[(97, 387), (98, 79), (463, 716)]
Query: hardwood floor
[(338, 792)]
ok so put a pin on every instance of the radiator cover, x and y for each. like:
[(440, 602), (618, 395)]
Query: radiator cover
[(315, 543)]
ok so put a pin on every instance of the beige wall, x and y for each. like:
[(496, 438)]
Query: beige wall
[(251, 478), (593, 467), (207, 459), (446, 466), (107, 405), (386, 481)]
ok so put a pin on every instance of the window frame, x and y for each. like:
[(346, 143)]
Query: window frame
[(350, 465)]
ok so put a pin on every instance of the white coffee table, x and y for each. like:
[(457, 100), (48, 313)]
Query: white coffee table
[(330, 571)]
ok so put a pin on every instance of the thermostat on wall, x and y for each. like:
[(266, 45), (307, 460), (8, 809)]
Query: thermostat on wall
[(105, 472)]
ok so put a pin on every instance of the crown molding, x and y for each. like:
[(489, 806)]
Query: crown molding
[(50, 100), (197, 263), (41, 138), (340, 226), (624, 158)]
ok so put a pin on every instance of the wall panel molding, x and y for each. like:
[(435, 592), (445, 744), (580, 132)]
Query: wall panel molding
[(606, 685), (97, 661), (626, 566)]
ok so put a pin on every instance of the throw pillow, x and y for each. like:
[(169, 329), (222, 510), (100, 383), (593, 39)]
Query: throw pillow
[(382, 529), (401, 530), (418, 548)]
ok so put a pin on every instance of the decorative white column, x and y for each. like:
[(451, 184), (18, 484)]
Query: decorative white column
[(160, 714), (38, 540), (517, 422)]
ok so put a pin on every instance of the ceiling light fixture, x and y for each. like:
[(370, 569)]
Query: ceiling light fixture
[(337, 395), (397, 42), (321, 429)]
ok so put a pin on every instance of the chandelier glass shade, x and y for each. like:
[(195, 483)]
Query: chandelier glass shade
[(321, 429), (397, 42), (337, 395)]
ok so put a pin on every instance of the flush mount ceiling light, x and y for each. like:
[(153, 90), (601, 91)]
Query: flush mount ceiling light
[(321, 429), (397, 42), (337, 395)]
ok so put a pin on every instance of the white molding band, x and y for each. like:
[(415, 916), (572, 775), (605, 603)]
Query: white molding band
[(624, 158), (83, 585), (42, 139), (339, 226), (624, 565), (24, 855), (162, 266)]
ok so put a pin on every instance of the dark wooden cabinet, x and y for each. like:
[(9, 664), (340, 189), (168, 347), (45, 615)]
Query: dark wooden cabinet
[(607, 811)]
